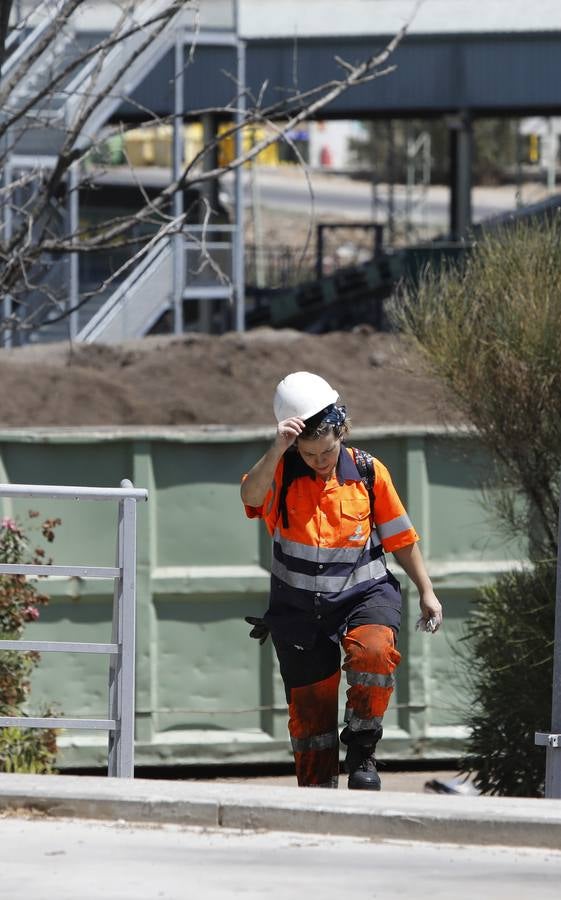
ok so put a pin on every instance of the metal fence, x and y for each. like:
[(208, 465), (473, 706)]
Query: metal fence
[(337, 245), (121, 650), (278, 267)]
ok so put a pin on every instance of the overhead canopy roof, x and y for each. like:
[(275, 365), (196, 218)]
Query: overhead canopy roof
[(262, 19), (488, 57)]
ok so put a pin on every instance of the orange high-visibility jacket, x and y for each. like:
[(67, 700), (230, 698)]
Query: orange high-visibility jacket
[(330, 555)]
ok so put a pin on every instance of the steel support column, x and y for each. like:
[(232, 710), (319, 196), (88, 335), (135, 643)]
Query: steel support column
[(177, 166), (211, 192), (460, 175), (74, 262), (211, 189), (239, 243), (8, 218)]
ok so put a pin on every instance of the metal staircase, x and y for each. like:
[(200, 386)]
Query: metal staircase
[(91, 88), (90, 93), (137, 304)]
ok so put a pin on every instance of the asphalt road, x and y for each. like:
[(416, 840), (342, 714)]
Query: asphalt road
[(286, 190), (356, 199), (289, 191), (77, 860)]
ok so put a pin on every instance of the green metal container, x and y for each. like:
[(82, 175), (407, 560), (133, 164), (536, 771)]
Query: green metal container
[(206, 693)]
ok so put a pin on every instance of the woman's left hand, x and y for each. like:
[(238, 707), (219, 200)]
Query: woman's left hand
[(431, 610)]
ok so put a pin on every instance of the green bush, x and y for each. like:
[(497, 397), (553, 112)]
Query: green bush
[(491, 331), (510, 662), (26, 751), (21, 749)]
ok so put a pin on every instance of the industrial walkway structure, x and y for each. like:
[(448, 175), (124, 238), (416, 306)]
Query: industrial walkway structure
[(60, 102), (458, 60)]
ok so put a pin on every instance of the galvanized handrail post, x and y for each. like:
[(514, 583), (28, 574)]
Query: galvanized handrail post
[(127, 604), (116, 659)]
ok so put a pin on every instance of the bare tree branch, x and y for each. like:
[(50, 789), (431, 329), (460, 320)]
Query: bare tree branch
[(35, 230)]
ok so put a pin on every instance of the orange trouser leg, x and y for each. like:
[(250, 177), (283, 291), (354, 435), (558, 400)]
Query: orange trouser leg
[(370, 660), (312, 725)]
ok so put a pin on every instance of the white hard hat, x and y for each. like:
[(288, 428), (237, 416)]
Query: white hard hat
[(302, 394)]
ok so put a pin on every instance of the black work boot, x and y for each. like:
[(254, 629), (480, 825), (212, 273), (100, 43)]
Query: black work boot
[(360, 762)]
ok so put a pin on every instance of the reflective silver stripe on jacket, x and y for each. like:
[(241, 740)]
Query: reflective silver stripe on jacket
[(354, 723), (373, 570), (369, 679), (324, 554), (394, 526), (315, 742)]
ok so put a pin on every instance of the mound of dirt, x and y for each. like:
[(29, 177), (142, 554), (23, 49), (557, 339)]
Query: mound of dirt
[(198, 379)]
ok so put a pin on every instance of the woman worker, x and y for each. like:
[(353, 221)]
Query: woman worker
[(333, 513)]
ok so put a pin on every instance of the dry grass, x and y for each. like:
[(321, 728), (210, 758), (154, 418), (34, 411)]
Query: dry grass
[(491, 331)]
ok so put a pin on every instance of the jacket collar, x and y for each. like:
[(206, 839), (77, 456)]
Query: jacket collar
[(346, 469)]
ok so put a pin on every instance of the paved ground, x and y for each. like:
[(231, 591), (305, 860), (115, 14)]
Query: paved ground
[(471, 818), (77, 860), (406, 780)]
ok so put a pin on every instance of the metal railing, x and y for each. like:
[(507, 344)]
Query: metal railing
[(32, 29), (124, 67), (278, 267), (135, 306), (209, 252), (374, 229), (121, 650), (137, 302), (107, 76)]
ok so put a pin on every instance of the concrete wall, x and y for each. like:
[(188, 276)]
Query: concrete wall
[(205, 692)]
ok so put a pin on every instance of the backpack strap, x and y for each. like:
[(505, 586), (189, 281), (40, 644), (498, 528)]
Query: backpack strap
[(365, 465)]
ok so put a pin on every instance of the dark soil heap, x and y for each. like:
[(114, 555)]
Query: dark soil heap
[(198, 379)]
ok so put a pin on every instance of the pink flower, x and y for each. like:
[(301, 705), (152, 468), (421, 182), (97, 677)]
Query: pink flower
[(30, 613), (9, 524)]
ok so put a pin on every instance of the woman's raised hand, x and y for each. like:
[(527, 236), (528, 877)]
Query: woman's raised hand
[(287, 432)]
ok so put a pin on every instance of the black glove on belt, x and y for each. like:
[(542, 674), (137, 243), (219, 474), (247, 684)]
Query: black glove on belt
[(259, 632)]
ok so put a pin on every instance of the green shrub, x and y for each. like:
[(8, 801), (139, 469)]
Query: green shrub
[(491, 331), (21, 749), (27, 751), (510, 659)]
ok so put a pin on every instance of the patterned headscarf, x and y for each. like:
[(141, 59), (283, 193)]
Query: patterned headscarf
[(331, 415)]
